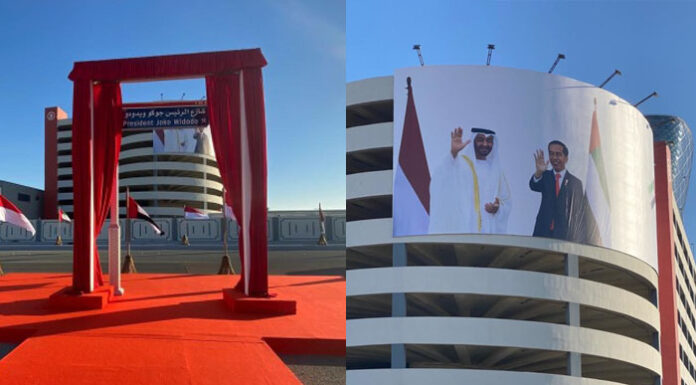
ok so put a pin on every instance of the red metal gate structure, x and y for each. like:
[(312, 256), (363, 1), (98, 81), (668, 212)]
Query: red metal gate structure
[(234, 88)]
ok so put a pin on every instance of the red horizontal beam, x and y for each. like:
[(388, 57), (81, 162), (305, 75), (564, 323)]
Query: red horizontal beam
[(168, 66)]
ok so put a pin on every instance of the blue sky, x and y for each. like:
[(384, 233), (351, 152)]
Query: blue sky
[(303, 41), (650, 42)]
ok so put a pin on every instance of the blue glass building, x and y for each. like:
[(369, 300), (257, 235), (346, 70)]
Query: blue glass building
[(677, 134)]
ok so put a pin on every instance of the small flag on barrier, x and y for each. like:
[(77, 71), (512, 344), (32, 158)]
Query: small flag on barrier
[(192, 213), (137, 212), (63, 216)]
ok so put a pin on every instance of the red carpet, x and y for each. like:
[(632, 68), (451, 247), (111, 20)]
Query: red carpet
[(167, 329)]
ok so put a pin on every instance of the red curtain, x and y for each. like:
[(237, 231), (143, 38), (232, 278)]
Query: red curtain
[(106, 140), (108, 122), (224, 110), (223, 113)]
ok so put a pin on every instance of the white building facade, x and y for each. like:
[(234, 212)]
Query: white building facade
[(162, 183), (480, 308)]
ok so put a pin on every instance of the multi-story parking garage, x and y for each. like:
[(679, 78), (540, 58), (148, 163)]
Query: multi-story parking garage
[(480, 308), (161, 182)]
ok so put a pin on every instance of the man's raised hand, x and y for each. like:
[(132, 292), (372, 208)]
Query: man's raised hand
[(457, 144), (493, 207), (541, 164)]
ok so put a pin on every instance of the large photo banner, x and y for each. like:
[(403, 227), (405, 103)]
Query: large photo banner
[(493, 150), (196, 140)]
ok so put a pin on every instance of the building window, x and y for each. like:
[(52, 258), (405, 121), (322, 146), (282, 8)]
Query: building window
[(23, 197)]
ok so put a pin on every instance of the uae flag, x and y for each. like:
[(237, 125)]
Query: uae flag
[(137, 212), (10, 213), (63, 217), (411, 201), (597, 189), (191, 213)]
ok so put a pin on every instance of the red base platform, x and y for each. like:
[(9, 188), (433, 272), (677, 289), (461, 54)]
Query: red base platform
[(167, 329), (238, 303), (66, 299)]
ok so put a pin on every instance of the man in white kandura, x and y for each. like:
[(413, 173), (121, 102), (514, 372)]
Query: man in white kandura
[(468, 190)]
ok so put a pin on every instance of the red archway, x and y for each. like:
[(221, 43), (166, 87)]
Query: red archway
[(234, 89)]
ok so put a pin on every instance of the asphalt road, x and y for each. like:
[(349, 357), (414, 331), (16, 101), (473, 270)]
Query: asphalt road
[(316, 261)]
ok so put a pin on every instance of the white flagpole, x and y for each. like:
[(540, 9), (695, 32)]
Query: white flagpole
[(115, 240)]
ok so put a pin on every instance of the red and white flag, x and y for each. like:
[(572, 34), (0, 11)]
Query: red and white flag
[(192, 213), (137, 212), (11, 214), (63, 216), (411, 200)]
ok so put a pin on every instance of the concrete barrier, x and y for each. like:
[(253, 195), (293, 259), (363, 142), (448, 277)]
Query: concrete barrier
[(284, 228)]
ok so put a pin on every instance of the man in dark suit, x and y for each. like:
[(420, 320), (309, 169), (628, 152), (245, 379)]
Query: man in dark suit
[(563, 213)]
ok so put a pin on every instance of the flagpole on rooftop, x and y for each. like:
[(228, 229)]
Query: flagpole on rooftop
[(616, 72), (555, 63), (417, 48), (646, 98)]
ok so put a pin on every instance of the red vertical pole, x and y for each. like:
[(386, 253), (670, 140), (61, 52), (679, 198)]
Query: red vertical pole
[(83, 206), (669, 334), (50, 203)]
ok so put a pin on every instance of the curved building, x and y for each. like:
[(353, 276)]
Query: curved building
[(480, 308), (674, 131), (162, 182)]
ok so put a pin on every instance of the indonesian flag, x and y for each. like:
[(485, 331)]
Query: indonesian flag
[(322, 220), (411, 201), (596, 188), (137, 212), (63, 216), (10, 213), (191, 213)]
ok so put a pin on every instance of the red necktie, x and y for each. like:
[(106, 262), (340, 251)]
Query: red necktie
[(558, 188)]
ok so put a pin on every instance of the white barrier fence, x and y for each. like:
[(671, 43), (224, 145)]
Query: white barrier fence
[(287, 227)]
